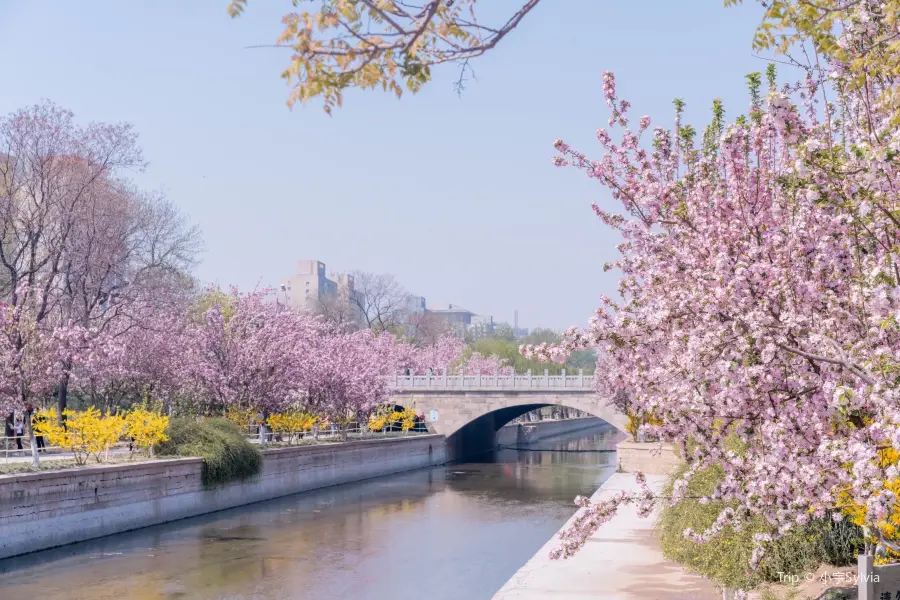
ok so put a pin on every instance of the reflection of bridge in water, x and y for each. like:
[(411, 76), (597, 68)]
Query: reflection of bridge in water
[(469, 410)]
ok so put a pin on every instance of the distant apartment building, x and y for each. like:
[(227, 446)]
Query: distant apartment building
[(462, 321), (416, 305), (455, 316), (310, 290)]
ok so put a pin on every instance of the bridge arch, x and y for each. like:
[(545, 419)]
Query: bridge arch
[(470, 418)]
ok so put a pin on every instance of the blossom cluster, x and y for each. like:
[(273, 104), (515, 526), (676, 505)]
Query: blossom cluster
[(760, 298)]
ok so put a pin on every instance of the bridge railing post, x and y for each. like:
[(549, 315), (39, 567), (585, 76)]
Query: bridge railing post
[(546, 378), (580, 377), (444, 382), (478, 380), (563, 371), (529, 378), (428, 379)]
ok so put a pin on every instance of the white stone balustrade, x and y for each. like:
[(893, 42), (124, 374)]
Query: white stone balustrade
[(580, 382)]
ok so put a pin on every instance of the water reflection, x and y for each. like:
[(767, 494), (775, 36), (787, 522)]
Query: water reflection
[(453, 532)]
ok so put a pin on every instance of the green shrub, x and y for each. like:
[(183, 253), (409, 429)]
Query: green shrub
[(724, 558), (227, 455), (842, 542)]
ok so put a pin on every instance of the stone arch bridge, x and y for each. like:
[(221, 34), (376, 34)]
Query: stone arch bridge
[(469, 410)]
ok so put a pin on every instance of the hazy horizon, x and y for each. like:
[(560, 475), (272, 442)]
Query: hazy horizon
[(453, 195)]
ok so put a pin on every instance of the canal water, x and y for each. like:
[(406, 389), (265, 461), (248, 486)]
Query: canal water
[(456, 532)]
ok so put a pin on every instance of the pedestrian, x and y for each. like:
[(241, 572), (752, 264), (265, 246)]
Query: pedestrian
[(408, 372), (20, 429), (9, 431), (37, 420)]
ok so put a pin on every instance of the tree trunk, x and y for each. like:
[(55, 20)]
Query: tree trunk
[(35, 458), (62, 397)]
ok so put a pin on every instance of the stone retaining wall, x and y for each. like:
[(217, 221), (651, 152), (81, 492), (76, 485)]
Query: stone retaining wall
[(52, 508), (651, 458), (526, 433)]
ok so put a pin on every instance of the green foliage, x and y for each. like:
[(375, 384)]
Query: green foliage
[(214, 297), (227, 455), (509, 350), (582, 359), (754, 83), (771, 76), (724, 557), (715, 128), (541, 336), (504, 331)]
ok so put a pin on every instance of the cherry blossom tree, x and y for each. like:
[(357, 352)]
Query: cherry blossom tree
[(444, 353), (253, 355), (760, 297), (448, 353), (478, 364), (79, 245), (344, 377), (145, 359), (125, 265), (31, 358)]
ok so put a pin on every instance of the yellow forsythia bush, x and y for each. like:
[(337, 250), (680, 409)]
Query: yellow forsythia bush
[(408, 419), (386, 415), (86, 433), (381, 418), (889, 527), (242, 417), (291, 422), (146, 428), (635, 421)]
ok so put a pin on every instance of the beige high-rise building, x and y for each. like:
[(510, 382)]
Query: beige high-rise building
[(311, 290)]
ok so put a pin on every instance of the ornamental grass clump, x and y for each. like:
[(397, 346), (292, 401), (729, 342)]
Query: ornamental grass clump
[(724, 557), (227, 455)]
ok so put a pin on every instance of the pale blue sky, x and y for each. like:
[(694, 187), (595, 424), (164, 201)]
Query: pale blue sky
[(455, 196)]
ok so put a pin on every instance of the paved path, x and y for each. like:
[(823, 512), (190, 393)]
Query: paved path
[(24, 456), (622, 561)]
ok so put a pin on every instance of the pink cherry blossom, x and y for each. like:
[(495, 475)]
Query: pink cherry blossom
[(760, 298)]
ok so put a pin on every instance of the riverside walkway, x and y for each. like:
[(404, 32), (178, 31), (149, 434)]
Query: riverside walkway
[(621, 561)]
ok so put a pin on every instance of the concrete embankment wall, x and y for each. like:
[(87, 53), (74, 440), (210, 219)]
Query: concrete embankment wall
[(650, 458), (52, 508), (526, 433)]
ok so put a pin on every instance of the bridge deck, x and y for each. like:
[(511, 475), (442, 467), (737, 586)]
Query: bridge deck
[(554, 383)]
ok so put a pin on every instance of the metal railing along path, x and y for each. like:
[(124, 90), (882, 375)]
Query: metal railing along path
[(9, 445), (528, 381), (331, 434)]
